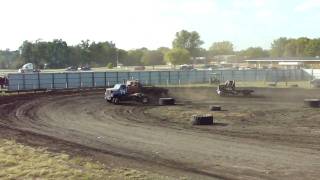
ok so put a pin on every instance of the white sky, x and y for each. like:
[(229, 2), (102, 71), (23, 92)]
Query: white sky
[(153, 23)]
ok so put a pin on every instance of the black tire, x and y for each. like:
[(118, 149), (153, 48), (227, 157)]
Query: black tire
[(109, 101), (116, 101), (312, 102), (166, 101), (144, 100), (214, 108), (202, 120)]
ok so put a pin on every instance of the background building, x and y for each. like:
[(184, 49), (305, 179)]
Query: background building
[(285, 63)]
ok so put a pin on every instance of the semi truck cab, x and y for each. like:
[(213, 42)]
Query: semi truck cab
[(124, 92)]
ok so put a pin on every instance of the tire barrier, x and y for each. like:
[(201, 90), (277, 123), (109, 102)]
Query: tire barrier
[(166, 101), (202, 120), (214, 108), (312, 102)]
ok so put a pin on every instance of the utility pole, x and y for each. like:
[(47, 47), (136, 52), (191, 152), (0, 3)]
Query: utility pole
[(117, 57)]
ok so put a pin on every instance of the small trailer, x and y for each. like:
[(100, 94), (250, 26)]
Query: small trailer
[(229, 89)]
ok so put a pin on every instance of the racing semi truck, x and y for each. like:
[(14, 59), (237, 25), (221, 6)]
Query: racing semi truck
[(131, 91)]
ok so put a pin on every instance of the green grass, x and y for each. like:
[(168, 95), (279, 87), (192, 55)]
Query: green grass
[(18, 161)]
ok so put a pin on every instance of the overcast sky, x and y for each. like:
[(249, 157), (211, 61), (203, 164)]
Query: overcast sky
[(152, 23)]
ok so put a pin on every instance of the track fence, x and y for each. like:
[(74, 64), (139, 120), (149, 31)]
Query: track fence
[(73, 80)]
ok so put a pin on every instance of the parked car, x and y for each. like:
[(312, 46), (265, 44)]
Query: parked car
[(186, 67), (209, 67), (84, 68), (139, 68), (72, 68), (28, 68)]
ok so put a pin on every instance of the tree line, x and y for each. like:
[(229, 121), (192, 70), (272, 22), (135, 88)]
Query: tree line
[(57, 54), (185, 48)]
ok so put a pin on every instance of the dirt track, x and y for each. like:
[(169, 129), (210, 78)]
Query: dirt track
[(270, 136)]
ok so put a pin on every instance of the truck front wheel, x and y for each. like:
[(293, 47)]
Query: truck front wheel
[(116, 101), (144, 100)]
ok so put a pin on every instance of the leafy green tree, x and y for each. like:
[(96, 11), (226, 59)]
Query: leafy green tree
[(188, 40), (312, 49), (75, 53), (178, 56), (203, 52), (133, 57), (163, 50), (301, 45), (8, 59), (290, 49), (152, 58), (55, 53), (254, 52), (221, 48), (58, 54), (109, 65), (102, 53), (26, 51), (278, 47), (41, 53), (284, 47), (85, 52)]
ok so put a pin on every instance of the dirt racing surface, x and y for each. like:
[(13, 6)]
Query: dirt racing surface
[(270, 135)]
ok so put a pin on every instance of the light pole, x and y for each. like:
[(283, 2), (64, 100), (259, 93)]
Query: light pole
[(117, 57)]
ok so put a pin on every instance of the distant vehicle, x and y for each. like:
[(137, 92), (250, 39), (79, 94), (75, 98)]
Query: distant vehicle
[(139, 68), (84, 68), (72, 68), (186, 67), (229, 89), (245, 68), (209, 67), (315, 83), (28, 68)]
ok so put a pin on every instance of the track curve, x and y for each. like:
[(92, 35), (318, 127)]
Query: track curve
[(133, 132)]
